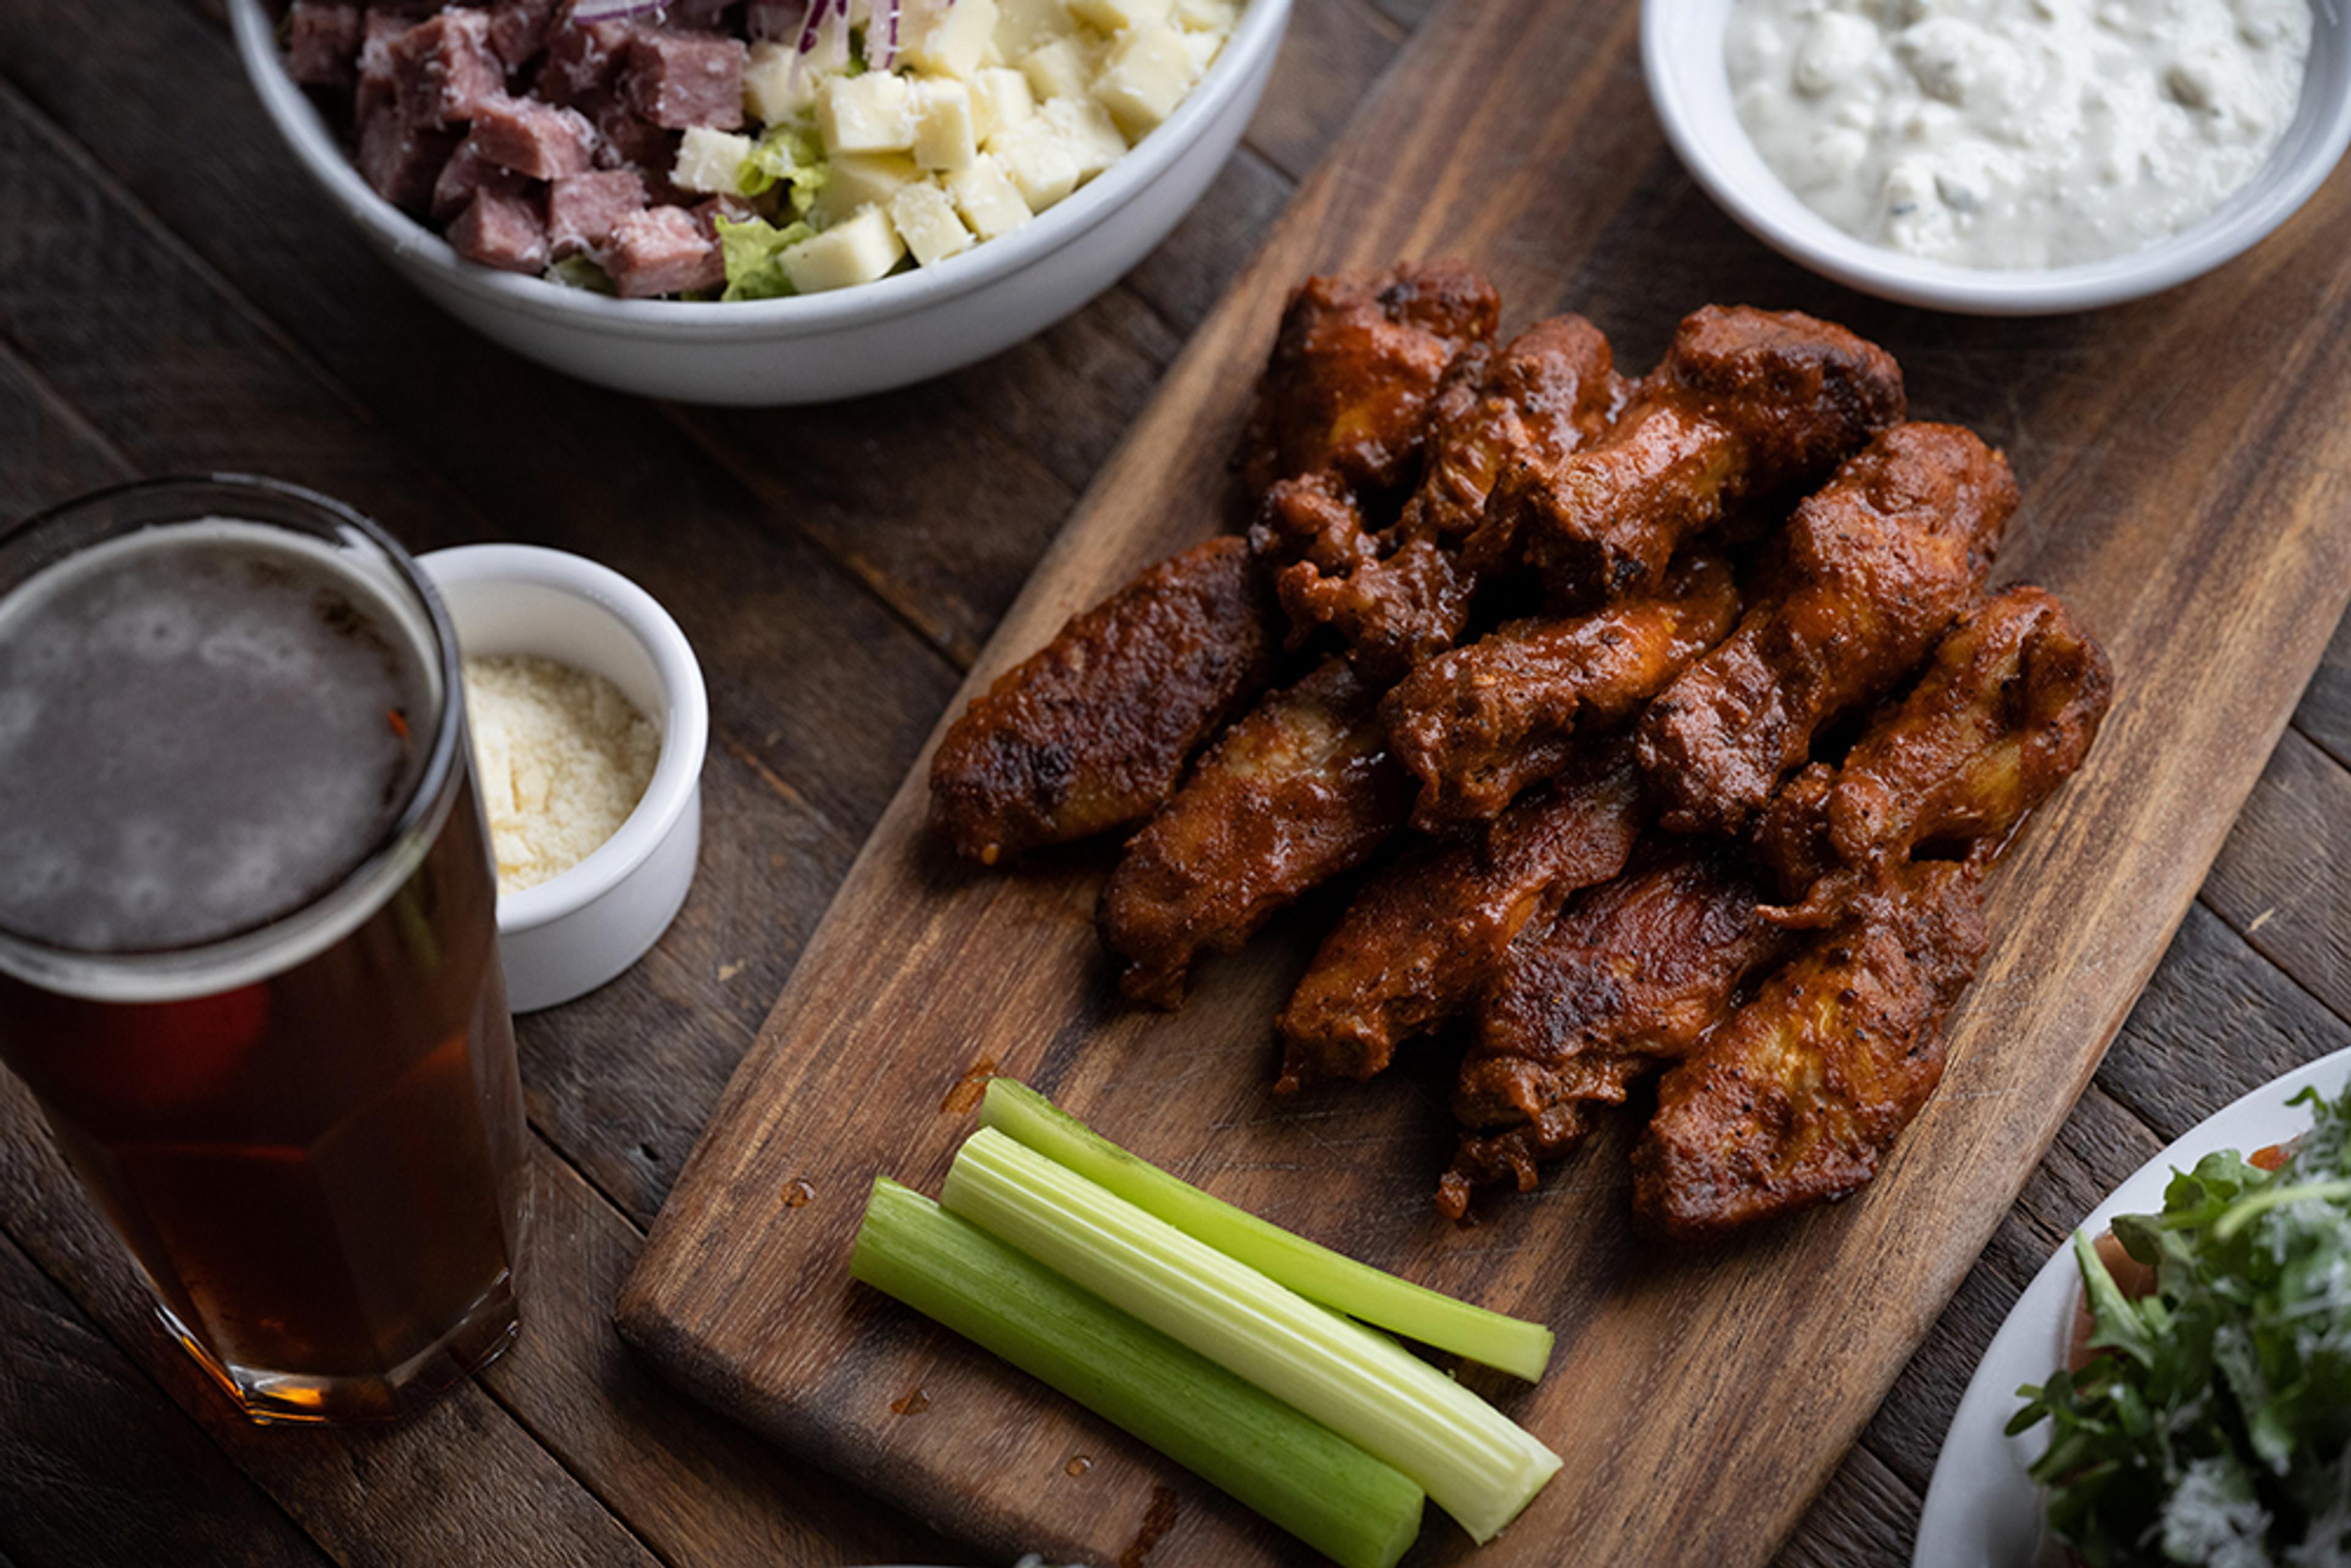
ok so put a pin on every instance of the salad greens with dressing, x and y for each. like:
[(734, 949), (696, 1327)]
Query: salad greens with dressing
[(2213, 1423)]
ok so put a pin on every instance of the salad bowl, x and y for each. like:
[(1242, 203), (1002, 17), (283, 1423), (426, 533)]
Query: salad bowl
[(811, 347), (1982, 1509)]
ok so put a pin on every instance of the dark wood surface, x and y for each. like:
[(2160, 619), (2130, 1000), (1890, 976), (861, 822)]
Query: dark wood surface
[(173, 297)]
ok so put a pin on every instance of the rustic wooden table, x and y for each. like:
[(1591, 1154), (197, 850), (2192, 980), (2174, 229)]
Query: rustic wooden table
[(174, 298)]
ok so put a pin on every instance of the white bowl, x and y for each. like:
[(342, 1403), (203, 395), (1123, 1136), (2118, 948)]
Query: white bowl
[(1689, 84), (584, 926), (902, 329)]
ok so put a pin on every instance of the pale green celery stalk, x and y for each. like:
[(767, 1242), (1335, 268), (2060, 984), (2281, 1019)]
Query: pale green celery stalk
[(1297, 1472), (1474, 1462), (1316, 1273)]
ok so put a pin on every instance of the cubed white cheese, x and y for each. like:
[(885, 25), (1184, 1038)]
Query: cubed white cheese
[(954, 38), (711, 161), (1062, 68), (859, 179), (945, 137), (989, 202), (871, 113), (1038, 160), (1086, 129), (925, 219), (1202, 47), (1144, 77), (1201, 15), (1110, 15), (1001, 98), (859, 251), (1022, 25), (773, 91)]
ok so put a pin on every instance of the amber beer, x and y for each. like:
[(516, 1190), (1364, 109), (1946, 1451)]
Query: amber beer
[(248, 940)]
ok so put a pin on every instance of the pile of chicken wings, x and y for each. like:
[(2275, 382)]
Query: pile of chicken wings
[(1668, 722)]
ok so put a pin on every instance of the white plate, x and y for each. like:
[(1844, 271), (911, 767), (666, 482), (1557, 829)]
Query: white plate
[(1982, 1509)]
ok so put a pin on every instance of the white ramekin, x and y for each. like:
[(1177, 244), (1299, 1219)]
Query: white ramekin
[(1689, 84), (817, 347), (580, 928)]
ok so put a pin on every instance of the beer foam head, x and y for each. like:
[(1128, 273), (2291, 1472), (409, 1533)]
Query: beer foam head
[(203, 728)]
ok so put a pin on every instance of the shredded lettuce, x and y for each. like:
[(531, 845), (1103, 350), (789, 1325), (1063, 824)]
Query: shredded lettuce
[(2214, 1426), (753, 249), (581, 272), (791, 156)]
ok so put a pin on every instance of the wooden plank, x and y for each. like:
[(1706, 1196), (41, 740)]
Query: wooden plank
[(1333, 52), (695, 1488), (2324, 715), (101, 1467), (2186, 517), (2282, 882), (460, 1481), (1185, 277), (2212, 1026), (1866, 1517)]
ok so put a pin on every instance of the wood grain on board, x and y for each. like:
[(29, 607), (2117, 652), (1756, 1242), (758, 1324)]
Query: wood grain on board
[(2187, 469)]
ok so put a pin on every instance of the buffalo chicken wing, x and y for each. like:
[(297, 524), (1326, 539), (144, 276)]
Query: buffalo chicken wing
[(1875, 567), (1745, 406), (1091, 732), (1300, 789), (1481, 723), (1424, 935), (1796, 1099)]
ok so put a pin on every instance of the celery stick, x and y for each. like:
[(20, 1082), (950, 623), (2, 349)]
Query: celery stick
[(1474, 1462), (1316, 1273), (1313, 1483)]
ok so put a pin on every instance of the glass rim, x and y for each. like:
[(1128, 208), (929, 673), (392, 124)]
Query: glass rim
[(287, 939)]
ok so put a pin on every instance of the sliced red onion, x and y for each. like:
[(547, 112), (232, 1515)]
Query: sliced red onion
[(613, 10)]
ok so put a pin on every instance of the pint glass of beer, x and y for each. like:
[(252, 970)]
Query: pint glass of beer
[(248, 935)]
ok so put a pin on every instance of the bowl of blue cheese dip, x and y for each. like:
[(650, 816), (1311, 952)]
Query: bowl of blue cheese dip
[(2004, 157)]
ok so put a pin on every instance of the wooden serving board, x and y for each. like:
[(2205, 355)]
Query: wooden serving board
[(2186, 464)]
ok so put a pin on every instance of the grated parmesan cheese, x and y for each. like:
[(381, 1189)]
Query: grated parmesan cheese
[(563, 758)]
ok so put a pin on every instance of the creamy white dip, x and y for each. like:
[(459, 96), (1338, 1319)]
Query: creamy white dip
[(2016, 133)]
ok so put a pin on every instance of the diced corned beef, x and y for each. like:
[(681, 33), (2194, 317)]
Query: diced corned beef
[(582, 208), (518, 30), (662, 250), (625, 141), (445, 70), (401, 159), (532, 138), (501, 231), (322, 42), (468, 172), (582, 59), (677, 79), (379, 75)]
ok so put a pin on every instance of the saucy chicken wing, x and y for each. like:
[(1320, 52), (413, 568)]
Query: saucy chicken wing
[(1481, 723), (1426, 933), (1747, 404), (1356, 360), (2004, 714), (1400, 596), (1794, 1100), (1091, 732), (1300, 788), (1633, 973), (1876, 567)]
